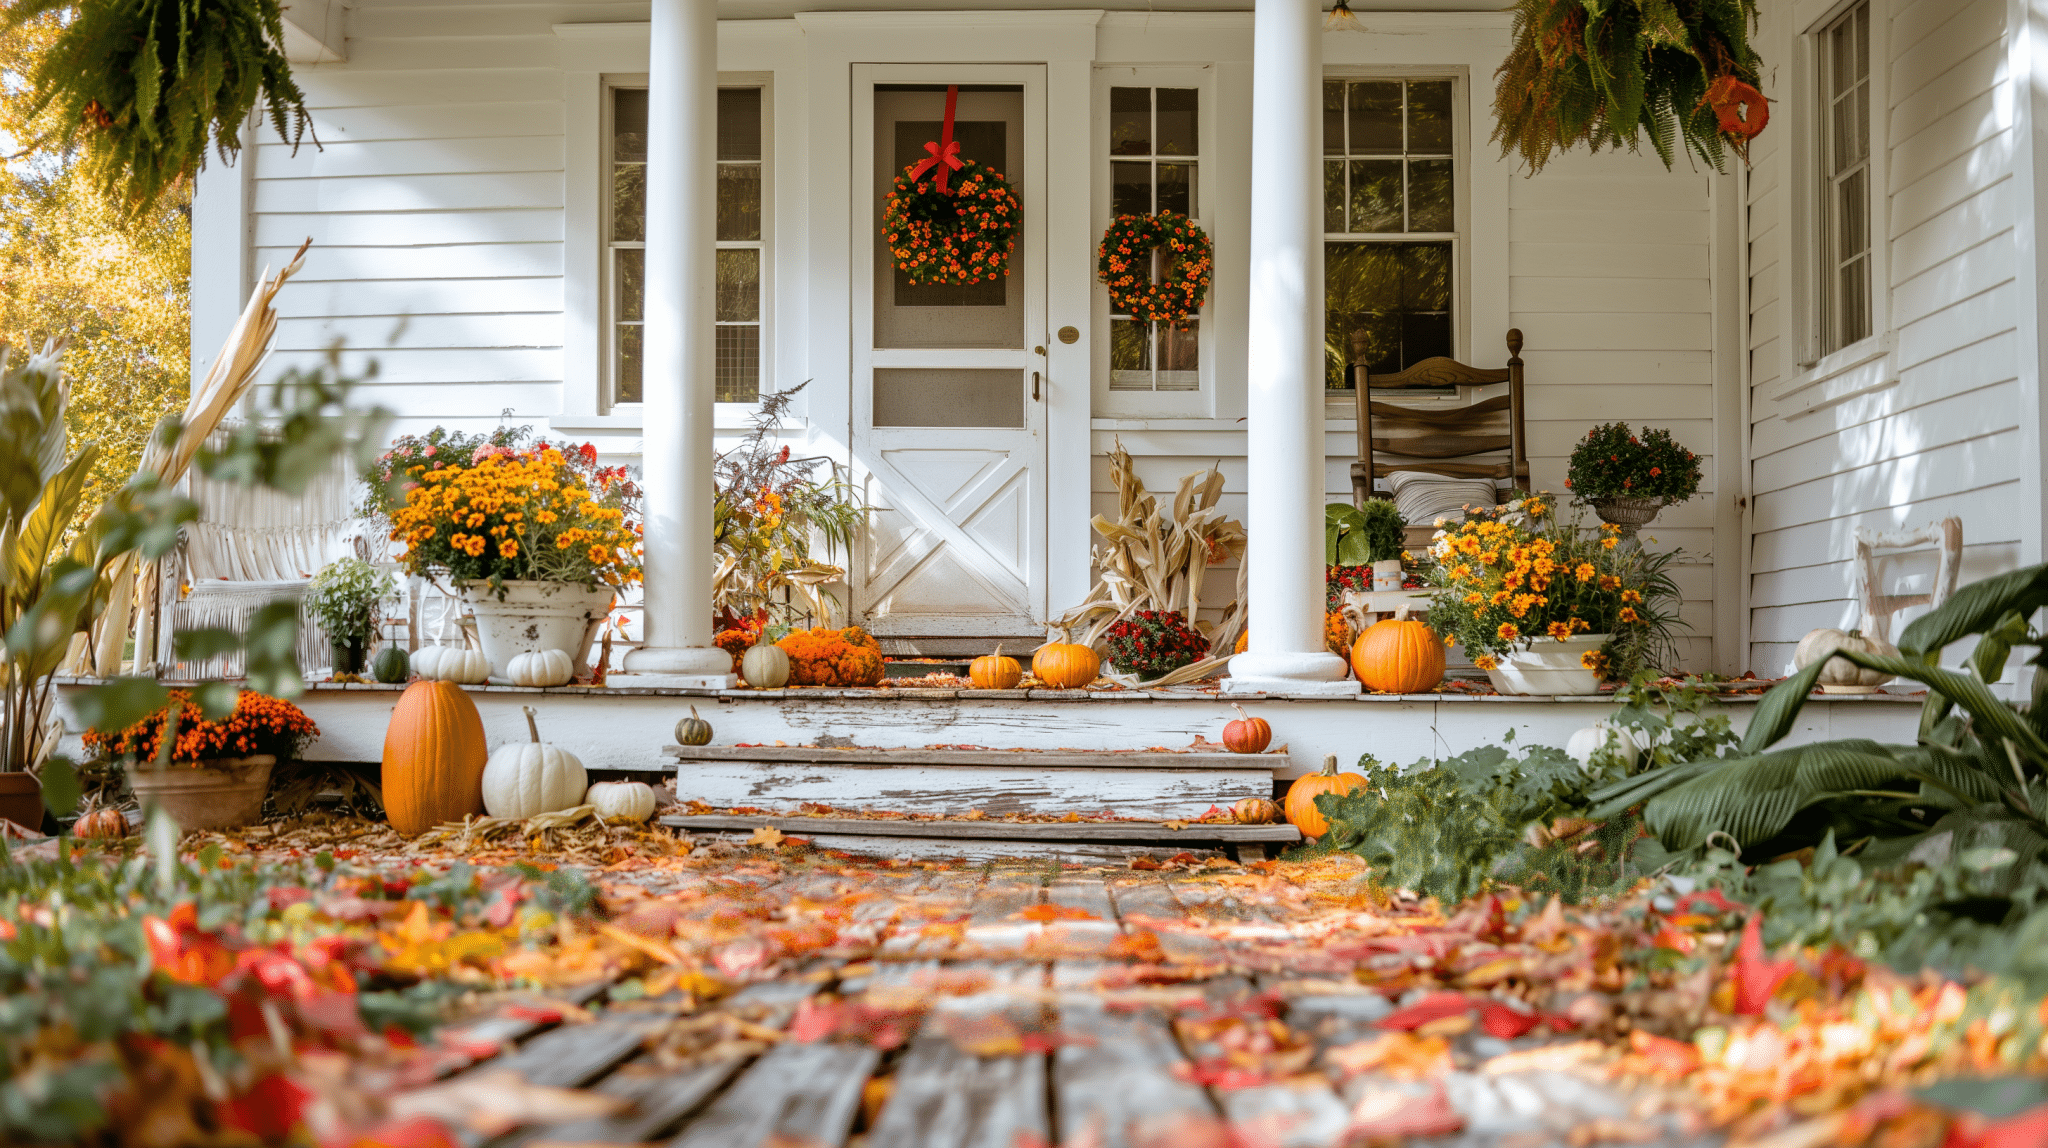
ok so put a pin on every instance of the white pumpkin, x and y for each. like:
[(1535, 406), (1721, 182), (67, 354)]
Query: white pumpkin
[(449, 664), (622, 800), (541, 668), (1840, 675), (765, 667), (521, 780), (1601, 735)]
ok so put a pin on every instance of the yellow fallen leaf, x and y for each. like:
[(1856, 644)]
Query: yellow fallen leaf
[(766, 835), (1176, 826), (1071, 817)]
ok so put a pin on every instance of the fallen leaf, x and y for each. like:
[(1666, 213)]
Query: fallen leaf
[(491, 1103), (1401, 1055), (1435, 1006), (1391, 1113), (1756, 978), (766, 835), (1050, 912)]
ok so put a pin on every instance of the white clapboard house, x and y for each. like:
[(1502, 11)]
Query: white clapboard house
[(624, 222)]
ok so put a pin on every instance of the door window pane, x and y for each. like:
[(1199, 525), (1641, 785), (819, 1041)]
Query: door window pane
[(1130, 121), (1130, 189), (1176, 187), (1177, 128), (1155, 140)]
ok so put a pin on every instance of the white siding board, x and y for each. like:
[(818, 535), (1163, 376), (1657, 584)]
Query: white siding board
[(1953, 182), (1967, 224), (411, 229), (413, 157), (473, 261), (1612, 367), (1952, 469), (432, 331), (1615, 225), (1607, 295), (1964, 369), (1973, 414), (358, 87), (470, 366), (448, 121), (1972, 76), (1982, 117), (1968, 274), (482, 190), (449, 53), (1974, 24), (1593, 258), (1971, 321), (394, 297), (1800, 545)]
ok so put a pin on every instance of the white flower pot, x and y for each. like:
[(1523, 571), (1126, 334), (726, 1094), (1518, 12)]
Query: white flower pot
[(1549, 666), (537, 616), (1386, 575)]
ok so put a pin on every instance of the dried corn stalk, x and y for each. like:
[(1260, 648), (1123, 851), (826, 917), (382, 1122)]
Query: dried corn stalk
[(1155, 560)]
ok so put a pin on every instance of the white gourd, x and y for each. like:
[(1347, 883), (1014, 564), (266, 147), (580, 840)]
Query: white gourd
[(1841, 676), (622, 800), (1601, 735), (765, 667), (449, 664), (521, 780), (541, 668)]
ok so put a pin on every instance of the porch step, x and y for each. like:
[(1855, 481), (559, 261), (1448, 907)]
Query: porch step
[(1087, 840), (952, 781)]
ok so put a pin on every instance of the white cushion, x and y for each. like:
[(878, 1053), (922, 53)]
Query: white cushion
[(1422, 498)]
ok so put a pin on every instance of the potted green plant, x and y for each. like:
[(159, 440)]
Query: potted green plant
[(1370, 536), (1627, 478), (343, 597)]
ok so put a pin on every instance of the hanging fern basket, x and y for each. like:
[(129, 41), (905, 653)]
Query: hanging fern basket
[(1604, 73), (143, 87)]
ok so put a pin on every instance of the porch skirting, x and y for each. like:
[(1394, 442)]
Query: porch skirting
[(617, 729)]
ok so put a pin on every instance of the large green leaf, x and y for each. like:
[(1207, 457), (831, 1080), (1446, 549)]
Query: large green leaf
[(1779, 709), (1976, 608), (1991, 715), (1751, 799), (31, 548)]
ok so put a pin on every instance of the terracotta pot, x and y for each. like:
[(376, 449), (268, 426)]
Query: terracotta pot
[(21, 800), (1631, 514), (537, 616), (213, 794)]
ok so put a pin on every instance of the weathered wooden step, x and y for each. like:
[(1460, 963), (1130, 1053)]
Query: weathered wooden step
[(1108, 839), (1142, 783)]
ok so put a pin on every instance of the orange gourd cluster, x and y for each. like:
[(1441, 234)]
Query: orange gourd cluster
[(261, 724), (826, 657), (524, 514)]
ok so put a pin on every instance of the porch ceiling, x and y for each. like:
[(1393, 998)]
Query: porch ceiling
[(783, 9)]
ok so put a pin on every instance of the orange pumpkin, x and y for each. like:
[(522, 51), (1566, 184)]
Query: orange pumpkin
[(1301, 796), (101, 825), (1399, 656), (1066, 665), (1255, 811), (995, 672), (1247, 734), (433, 758)]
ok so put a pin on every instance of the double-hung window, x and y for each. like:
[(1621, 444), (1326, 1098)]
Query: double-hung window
[(1154, 159), (1843, 265), (738, 331), (1390, 224)]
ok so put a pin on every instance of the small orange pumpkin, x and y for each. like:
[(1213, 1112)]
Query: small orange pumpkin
[(995, 672), (101, 825), (1256, 811), (1066, 665), (1398, 656), (434, 758), (1301, 796), (1247, 734)]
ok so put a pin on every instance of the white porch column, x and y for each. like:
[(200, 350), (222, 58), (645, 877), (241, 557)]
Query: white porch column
[(1285, 403), (676, 413)]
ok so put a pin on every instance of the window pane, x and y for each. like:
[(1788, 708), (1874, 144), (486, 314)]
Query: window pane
[(629, 202), (1429, 116), (1177, 187), (1842, 56), (1130, 189), (739, 201), (1862, 38), (627, 263), (1424, 335), (1852, 228), (1179, 358), (739, 364), (629, 123), (1388, 306), (739, 286), (1362, 276), (1430, 206), (627, 383), (1376, 195), (1178, 132), (1333, 119), (1855, 310), (1333, 195), (1130, 121), (1376, 118), (1426, 276), (739, 123), (1130, 355)]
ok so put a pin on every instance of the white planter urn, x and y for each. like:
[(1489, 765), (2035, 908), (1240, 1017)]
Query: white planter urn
[(537, 616), (1549, 666)]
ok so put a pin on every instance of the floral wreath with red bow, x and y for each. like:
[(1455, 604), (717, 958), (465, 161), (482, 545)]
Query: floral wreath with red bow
[(951, 236), (1123, 262)]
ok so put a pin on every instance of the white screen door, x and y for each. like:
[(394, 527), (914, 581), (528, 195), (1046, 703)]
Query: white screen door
[(948, 417)]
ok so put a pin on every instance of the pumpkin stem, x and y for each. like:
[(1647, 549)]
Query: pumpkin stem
[(533, 730), (999, 649), (1329, 765), (1242, 716)]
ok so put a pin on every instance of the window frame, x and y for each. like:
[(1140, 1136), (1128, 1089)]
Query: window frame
[(1131, 402), (1466, 189), (1459, 237), (1828, 264), (606, 373)]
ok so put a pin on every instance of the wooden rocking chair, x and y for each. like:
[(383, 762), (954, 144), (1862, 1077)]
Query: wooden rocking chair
[(1488, 435)]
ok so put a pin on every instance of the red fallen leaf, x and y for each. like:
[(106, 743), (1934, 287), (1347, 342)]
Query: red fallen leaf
[(1144, 863), (2028, 1129), (1182, 858), (1712, 897), (1755, 977), (1435, 1006), (414, 1132), (269, 1110), (1217, 1072), (1670, 1058), (504, 907), (1506, 1023), (538, 1014), (182, 951), (1057, 913)]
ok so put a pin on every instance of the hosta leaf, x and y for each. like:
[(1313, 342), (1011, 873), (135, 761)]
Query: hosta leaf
[(1753, 798), (1779, 709), (1976, 608)]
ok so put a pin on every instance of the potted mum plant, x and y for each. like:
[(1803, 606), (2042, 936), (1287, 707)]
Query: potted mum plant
[(343, 597), (538, 541), (1153, 643), (207, 774), (1544, 607), (1628, 478)]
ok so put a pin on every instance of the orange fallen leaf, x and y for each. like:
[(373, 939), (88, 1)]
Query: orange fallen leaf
[(1057, 913), (766, 835)]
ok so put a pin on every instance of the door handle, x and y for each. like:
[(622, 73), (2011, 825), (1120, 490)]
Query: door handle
[(1034, 386)]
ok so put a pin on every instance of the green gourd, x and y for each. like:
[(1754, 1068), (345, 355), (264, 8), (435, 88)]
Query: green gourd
[(693, 730), (390, 666)]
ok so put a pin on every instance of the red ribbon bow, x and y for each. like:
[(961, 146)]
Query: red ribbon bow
[(945, 154)]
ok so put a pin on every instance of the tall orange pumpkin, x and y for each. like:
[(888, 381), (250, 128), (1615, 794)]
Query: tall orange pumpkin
[(1066, 665), (1398, 656), (1301, 796), (433, 758)]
